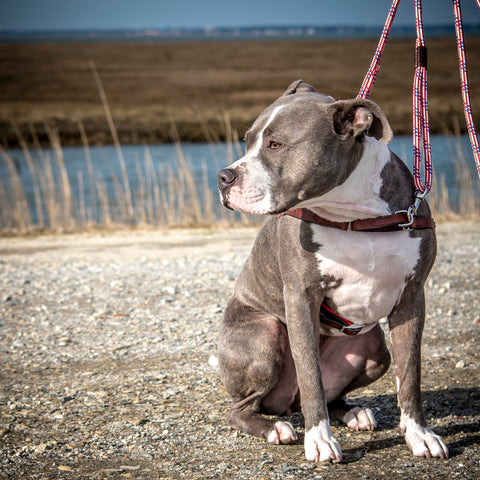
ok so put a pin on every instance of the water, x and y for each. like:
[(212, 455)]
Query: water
[(155, 163)]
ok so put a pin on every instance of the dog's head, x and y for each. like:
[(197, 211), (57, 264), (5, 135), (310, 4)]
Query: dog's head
[(299, 148)]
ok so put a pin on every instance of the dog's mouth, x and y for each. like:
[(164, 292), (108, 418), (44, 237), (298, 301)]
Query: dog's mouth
[(225, 202), (254, 204), (252, 200)]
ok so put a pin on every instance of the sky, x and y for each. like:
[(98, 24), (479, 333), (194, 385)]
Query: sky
[(48, 15)]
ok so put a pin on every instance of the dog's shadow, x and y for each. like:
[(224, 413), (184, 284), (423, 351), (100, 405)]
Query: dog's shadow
[(453, 405)]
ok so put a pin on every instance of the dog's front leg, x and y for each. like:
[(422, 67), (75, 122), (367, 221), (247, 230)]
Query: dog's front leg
[(302, 325), (406, 327)]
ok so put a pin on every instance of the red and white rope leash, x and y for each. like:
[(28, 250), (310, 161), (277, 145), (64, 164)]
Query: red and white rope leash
[(371, 75), (421, 129), (462, 64)]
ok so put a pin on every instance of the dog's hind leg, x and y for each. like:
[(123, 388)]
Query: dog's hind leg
[(245, 416), (257, 370), (353, 362)]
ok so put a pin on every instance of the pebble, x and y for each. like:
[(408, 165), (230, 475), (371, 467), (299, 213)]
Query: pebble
[(65, 468), (213, 361)]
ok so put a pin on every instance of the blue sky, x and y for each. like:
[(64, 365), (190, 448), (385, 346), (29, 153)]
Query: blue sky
[(119, 14)]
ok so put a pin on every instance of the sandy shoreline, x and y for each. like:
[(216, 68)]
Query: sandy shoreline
[(179, 241)]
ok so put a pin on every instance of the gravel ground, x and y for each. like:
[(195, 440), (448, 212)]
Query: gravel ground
[(107, 364)]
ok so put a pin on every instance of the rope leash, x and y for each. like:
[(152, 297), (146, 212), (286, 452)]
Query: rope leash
[(462, 64), (421, 129), (371, 75)]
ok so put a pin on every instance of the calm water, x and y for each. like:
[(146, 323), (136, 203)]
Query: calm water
[(143, 162)]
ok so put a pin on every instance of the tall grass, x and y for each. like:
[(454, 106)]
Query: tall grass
[(467, 204), (169, 196), (164, 196)]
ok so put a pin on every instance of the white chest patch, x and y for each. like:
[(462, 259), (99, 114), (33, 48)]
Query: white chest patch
[(365, 272)]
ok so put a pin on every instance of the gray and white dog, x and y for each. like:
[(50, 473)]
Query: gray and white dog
[(301, 329)]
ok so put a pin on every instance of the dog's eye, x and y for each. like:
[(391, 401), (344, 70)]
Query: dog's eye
[(274, 145)]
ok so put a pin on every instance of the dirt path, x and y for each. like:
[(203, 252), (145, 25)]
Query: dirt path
[(107, 349)]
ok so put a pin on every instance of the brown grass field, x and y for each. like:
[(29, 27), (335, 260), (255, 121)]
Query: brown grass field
[(202, 87)]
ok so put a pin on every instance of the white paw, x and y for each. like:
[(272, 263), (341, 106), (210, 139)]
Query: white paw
[(421, 440), (283, 432), (321, 445), (360, 419)]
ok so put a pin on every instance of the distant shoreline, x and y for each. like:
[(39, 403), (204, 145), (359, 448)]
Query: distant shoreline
[(209, 33)]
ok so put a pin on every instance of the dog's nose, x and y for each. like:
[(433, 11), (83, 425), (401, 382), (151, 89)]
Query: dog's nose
[(226, 177)]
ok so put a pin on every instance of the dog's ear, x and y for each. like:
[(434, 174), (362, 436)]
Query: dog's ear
[(361, 116), (298, 86)]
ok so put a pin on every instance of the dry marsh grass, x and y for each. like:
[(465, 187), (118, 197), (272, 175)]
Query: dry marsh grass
[(173, 197), (167, 196), (194, 83)]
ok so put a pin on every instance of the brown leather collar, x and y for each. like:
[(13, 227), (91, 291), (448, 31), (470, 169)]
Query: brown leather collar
[(387, 223)]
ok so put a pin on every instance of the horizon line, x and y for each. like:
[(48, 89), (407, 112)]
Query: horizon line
[(213, 28)]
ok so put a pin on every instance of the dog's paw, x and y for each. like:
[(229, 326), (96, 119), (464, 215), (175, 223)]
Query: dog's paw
[(422, 441), (354, 417), (283, 432), (360, 419), (321, 445)]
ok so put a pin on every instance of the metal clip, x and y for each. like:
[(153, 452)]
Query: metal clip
[(410, 217), (412, 210)]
